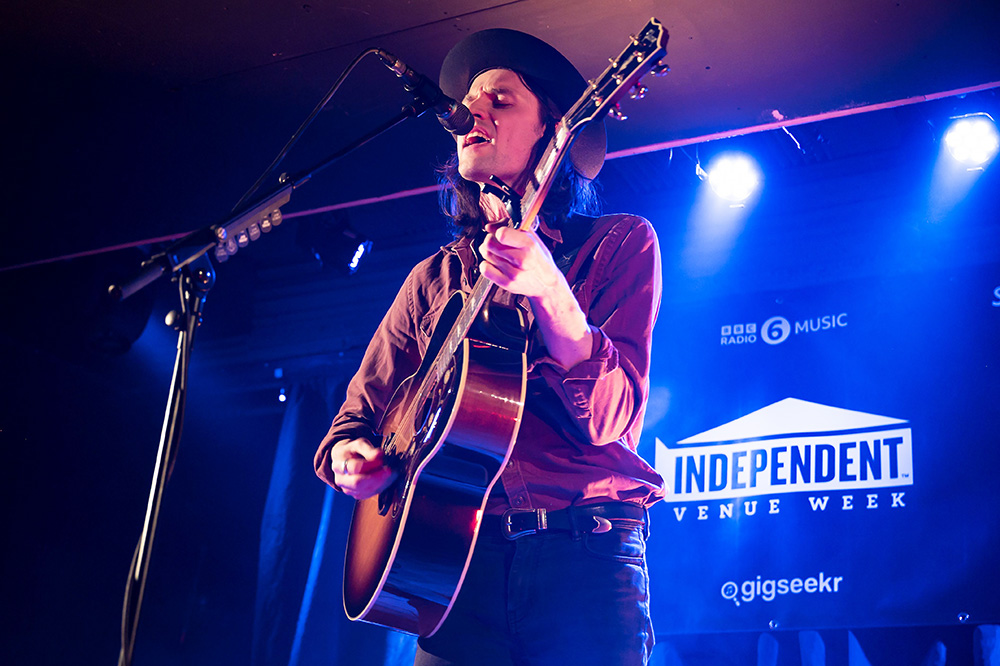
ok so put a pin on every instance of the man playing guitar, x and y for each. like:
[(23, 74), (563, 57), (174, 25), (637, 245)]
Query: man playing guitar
[(558, 573)]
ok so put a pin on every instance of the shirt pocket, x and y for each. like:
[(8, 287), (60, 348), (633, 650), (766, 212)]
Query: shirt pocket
[(427, 327)]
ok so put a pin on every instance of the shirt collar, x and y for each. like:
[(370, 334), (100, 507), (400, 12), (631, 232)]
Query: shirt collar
[(553, 233)]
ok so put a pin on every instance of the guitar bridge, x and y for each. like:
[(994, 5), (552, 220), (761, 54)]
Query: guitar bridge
[(387, 499), (384, 501)]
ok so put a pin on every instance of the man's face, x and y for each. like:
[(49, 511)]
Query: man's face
[(508, 125)]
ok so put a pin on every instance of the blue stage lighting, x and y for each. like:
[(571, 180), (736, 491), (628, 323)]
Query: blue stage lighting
[(334, 244), (972, 139), (733, 176), (362, 249)]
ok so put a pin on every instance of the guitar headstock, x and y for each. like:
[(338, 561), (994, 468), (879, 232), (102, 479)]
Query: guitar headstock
[(622, 77)]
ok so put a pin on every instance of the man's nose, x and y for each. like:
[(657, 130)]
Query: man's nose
[(477, 106)]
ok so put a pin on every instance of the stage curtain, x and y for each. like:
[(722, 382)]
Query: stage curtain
[(299, 618)]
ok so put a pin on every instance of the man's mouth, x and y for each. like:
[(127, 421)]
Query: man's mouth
[(476, 137)]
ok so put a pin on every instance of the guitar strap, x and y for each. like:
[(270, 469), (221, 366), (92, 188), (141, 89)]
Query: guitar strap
[(574, 233), (581, 245)]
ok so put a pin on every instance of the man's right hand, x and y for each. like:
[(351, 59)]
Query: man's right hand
[(359, 468)]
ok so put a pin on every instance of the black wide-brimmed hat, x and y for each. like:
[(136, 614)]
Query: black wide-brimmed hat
[(500, 48)]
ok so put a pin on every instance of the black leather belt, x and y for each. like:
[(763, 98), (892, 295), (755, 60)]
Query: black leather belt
[(594, 518)]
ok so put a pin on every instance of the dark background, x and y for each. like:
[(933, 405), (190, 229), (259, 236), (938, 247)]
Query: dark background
[(132, 122)]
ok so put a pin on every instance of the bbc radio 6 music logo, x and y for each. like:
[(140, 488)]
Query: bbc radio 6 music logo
[(778, 329)]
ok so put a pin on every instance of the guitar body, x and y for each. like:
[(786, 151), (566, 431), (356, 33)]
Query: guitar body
[(409, 548)]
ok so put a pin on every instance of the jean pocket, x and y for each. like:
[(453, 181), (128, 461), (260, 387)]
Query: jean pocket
[(619, 544)]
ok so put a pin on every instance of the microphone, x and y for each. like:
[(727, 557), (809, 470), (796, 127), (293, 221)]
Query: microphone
[(453, 115)]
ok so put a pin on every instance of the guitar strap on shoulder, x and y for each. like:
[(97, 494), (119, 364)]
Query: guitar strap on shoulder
[(574, 233), (591, 232)]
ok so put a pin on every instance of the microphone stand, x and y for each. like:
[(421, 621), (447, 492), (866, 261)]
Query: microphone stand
[(188, 262), (194, 281)]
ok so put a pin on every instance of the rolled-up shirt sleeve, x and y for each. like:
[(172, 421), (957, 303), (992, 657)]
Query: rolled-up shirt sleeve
[(605, 395)]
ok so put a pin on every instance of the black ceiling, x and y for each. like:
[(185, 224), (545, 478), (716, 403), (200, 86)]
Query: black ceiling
[(139, 120)]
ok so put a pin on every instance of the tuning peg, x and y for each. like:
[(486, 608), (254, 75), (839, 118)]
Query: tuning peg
[(660, 69), (617, 113), (638, 91)]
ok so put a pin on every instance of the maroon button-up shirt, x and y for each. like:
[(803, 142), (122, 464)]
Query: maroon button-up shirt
[(580, 428)]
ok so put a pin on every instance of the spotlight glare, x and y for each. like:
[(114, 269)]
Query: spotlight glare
[(733, 177), (972, 140), (361, 250), (335, 245)]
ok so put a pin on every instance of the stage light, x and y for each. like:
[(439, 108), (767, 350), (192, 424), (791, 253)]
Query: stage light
[(363, 247), (732, 176), (972, 139), (719, 213), (334, 244)]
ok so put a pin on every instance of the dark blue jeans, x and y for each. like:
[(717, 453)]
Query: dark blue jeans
[(549, 599)]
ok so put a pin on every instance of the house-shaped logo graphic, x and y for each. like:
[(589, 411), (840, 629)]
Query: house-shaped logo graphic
[(787, 447)]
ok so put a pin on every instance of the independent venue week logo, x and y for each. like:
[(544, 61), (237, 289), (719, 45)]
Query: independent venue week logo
[(791, 446)]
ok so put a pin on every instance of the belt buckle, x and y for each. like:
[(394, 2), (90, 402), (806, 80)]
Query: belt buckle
[(511, 532)]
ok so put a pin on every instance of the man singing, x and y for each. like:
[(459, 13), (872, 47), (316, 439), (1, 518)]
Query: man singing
[(577, 591)]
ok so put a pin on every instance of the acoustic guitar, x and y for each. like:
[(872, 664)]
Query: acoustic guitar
[(450, 428)]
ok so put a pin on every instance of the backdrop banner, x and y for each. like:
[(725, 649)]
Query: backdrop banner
[(831, 456)]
